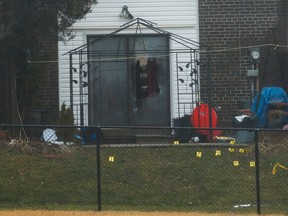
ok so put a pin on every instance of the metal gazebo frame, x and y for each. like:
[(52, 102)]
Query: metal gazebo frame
[(186, 67)]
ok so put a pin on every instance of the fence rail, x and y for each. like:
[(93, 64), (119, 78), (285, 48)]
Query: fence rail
[(242, 170)]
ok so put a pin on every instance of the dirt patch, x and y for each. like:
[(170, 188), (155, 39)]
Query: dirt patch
[(109, 213)]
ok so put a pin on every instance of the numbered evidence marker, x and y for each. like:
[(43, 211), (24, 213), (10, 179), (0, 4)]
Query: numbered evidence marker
[(199, 154), (247, 150), (231, 150), (111, 158), (218, 153), (241, 150), (252, 163), (236, 163), (176, 142)]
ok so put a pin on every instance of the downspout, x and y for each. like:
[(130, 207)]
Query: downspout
[(71, 82)]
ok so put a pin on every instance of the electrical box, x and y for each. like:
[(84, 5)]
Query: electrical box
[(252, 73)]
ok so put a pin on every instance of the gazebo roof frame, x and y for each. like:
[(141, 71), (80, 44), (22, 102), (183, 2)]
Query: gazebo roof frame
[(138, 22)]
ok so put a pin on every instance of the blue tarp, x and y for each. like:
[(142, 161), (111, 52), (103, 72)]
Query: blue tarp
[(268, 95)]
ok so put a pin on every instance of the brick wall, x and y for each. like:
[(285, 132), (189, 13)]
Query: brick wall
[(49, 99), (229, 28)]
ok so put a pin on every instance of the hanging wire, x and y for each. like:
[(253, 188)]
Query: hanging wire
[(275, 46)]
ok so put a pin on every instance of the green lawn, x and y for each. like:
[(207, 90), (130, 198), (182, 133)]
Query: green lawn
[(35, 181), (176, 178)]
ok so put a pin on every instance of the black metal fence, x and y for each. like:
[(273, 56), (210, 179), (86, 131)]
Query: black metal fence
[(237, 170)]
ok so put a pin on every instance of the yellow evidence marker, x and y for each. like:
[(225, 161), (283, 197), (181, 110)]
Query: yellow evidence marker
[(217, 152), (199, 154), (236, 163)]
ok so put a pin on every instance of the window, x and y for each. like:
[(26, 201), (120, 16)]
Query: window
[(129, 80)]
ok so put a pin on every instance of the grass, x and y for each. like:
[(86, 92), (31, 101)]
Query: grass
[(168, 178), (176, 178), (35, 181)]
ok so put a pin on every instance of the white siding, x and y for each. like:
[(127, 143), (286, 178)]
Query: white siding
[(163, 12), (179, 17)]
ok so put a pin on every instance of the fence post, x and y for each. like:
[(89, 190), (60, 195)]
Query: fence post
[(258, 198), (98, 165)]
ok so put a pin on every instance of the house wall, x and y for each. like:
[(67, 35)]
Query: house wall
[(229, 28), (179, 17)]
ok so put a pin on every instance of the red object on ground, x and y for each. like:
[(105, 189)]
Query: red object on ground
[(200, 118)]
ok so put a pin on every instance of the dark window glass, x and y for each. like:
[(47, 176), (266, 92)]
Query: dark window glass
[(129, 80)]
